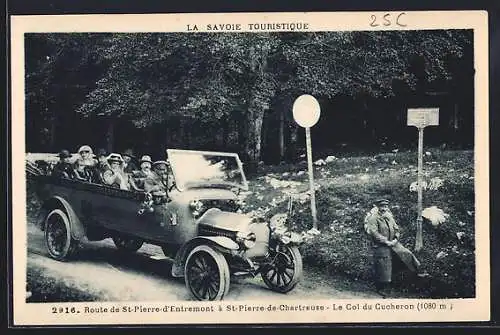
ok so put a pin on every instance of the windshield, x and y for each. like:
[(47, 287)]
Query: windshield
[(206, 169)]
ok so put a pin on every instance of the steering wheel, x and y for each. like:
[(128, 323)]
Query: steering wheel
[(172, 187)]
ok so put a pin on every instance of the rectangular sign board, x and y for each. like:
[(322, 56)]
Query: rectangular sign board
[(423, 117)]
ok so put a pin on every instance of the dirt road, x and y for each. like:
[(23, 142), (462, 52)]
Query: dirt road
[(105, 274)]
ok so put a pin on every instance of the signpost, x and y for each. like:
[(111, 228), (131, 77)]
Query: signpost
[(306, 112), (421, 118)]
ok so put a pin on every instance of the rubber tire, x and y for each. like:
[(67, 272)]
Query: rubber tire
[(222, 268), (296, 258), (127, 244), (70, 245)]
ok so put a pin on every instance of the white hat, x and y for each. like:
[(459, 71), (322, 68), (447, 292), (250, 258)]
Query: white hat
[(146, 158), (85, 148), (115, 158)]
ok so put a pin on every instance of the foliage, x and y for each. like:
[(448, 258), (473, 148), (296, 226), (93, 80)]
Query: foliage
[(347, 189), (150, 78)]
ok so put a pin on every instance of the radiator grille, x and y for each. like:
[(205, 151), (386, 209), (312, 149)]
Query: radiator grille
[(212, 231)]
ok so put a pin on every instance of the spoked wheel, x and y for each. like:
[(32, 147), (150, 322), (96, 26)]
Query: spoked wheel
[(60, 244), (127, 244), (285, 271), (207, 273)]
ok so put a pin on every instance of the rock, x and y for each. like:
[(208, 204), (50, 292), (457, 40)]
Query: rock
[(428, 153), (300, 173), (285, 174), (441, 254), (414, 185), (330, 159), (435, 215), (319, 162), (364, 177), (313, 231), (435, 183)]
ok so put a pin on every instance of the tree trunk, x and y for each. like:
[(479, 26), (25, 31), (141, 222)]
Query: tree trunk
[(242, 123), (253, 140), (282, 134), (253, 143), (225, 132), (110, 135), (456, 123), (53, 128), (292, 146), (181, 134)]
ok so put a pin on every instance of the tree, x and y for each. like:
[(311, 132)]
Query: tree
[(202, 79)]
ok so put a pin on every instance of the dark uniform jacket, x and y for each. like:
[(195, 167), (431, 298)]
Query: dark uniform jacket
[(130, 167), (382, 229), (64, 170), (154, 184), (139, 178)]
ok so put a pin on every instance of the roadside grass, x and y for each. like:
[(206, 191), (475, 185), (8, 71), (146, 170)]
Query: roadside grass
[(347, 186), (347, 189), (47, 289)]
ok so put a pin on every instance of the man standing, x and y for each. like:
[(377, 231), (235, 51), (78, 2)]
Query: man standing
[(384, 231)]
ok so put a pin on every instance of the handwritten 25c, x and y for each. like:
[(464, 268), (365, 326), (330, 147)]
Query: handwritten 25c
[(387, 20)]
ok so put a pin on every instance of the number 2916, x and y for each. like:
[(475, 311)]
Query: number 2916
[(64, 310)]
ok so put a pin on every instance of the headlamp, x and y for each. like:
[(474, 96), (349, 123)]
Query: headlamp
[(246, 238), (196, 207)]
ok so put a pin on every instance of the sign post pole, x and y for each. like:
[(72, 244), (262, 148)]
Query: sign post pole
[(306, 112), (421, 118), (418, 239), (311, 177)]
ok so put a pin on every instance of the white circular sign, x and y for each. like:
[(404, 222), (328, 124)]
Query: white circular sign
[(306, 111)]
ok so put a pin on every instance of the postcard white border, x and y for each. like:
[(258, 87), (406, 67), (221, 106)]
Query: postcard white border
[(476, 309)]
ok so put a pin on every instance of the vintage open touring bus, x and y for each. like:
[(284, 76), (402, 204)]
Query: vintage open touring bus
[(197, 222)]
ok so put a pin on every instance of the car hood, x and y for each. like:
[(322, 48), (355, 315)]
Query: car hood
[(225, 220), (206, 193)]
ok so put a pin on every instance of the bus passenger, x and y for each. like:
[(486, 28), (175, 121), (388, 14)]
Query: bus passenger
[(139, 177), (115, 176), (63, 168), (85, 163), (128, 161), (158, 181)]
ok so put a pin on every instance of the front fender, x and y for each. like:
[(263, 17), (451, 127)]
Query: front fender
[(77, 228), (221, 243), (288, 238)]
